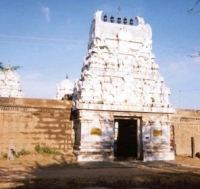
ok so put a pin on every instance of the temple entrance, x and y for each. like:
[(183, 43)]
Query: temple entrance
[(126, 140)]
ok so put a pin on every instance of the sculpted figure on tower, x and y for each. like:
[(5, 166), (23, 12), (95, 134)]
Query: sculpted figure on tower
[(122, 54)]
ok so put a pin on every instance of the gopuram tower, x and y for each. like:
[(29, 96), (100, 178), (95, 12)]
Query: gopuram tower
[(121, 104)]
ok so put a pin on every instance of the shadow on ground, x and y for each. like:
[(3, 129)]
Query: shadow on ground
[(130, 174)]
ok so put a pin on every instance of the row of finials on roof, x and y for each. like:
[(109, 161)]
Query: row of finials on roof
[(112, 20)]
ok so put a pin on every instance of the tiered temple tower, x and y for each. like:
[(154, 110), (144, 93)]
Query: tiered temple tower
[(10, 83), (121, 104)]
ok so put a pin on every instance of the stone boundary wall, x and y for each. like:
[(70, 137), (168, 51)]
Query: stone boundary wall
[(186, 124), (25, 123)]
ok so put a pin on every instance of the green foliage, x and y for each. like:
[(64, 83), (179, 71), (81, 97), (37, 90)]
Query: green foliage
[(4, 155), (44, 149), (1, 66), (22, 152), (193, 9), (4, 69)]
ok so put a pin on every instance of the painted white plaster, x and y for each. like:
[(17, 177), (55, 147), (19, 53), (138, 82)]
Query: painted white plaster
[(120, 68), (65, 87), (119, 73), (10, 84)]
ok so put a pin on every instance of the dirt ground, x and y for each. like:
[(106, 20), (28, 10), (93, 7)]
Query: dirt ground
[(45, 171)]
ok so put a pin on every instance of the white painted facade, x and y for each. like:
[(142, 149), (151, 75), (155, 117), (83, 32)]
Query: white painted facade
[(120, 80), (10, 84), (65, 87)]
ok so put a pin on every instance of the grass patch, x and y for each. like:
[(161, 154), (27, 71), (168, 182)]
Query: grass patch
[(44, 149), (4, 155), (22, 152)]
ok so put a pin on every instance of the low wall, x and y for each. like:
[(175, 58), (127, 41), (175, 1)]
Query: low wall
[(186, 124), (28, 122)]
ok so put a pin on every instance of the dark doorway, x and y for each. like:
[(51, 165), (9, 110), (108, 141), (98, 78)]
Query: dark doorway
[(126, 138)]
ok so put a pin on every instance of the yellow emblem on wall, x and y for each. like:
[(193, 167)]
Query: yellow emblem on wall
[(157, 133), (96, 131)]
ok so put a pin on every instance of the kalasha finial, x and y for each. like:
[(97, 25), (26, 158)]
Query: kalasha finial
[(105, 18)]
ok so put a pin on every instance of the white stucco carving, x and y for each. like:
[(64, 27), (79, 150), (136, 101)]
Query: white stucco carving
[(65, 87), (119, 74), (10, 83), (123, 53)]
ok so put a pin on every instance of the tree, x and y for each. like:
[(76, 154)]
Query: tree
[(195, 55), (3, 68), (193, 9)]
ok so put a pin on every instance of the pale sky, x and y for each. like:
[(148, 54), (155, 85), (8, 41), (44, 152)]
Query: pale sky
[(48, 39)]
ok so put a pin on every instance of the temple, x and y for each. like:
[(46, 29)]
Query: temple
[(64, 89), (121, 104), (10, 83)]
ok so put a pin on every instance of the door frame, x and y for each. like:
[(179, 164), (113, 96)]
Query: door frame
[(139, 133)]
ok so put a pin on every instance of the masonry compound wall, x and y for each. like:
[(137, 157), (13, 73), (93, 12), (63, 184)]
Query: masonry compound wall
[(186, 124), (28, 122)]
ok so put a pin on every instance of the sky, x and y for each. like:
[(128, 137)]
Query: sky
[(48, 40)]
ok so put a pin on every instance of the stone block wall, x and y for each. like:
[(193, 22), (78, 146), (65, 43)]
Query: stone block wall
[(28, 122), (186, 124)]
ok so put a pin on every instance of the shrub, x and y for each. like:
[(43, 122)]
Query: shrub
[(4, 155), (22, 152), (44, 149)]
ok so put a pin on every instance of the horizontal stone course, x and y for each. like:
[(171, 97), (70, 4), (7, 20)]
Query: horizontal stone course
[(28, 122), (186, 125), (27, 129)]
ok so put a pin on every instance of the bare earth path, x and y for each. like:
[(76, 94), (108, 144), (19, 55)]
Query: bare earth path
[(43, 171)]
